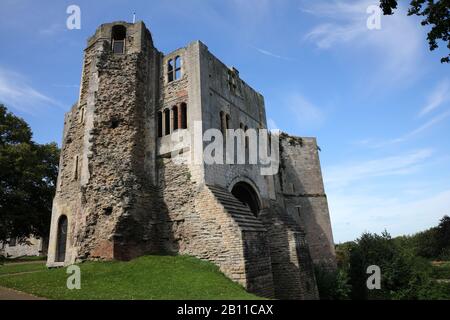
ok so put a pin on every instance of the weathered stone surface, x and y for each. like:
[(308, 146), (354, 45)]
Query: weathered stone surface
[(124, 196)]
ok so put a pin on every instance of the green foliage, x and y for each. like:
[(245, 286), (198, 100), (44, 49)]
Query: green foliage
[(436, 14), (433, 243), (332, 284), (27, 180), (441, 270), (406, 271), (403, 274)]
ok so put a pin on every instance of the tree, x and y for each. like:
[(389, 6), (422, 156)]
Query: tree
[(436, 13), (403, 275), (443, 237), (28, 173)]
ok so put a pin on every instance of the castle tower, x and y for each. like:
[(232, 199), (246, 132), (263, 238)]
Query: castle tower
[(121, 195), (107, 165)]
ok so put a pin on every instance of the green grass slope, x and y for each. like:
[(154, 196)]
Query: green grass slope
[(149, 277)]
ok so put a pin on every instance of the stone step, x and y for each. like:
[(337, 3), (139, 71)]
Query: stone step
[(241, 213)]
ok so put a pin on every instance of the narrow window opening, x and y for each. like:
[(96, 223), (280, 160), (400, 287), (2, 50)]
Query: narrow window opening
[(246, 138), (167, 121), (232, 80), (178, 62), (82, 111), (222, 122), (75, 170), (170, 69), (160, 129), (118, 39), (175, 117), (183, 116)]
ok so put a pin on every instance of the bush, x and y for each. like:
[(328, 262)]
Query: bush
[(403, 275), (332, 284)]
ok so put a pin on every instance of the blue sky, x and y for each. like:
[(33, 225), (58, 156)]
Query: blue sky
[(377, 100)]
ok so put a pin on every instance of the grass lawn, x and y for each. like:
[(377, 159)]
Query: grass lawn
[(150, 277), (11, 268)]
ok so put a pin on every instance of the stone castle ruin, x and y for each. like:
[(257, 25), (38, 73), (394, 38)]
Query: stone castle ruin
[(120, 195)]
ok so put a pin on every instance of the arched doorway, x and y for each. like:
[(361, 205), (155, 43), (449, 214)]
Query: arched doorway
[(61, 239), (246, 194)]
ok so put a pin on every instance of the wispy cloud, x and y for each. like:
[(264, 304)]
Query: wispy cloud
[(52, 29), (306, 113), (271, 54), (397, 45), (16, 93), (438, 97), (412, 134), (343, 175)]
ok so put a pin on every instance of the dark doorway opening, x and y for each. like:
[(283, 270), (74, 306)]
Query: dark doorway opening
[(246, 194), (61, 240)]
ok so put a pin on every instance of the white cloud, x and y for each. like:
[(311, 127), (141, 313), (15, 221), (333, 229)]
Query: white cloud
[(16, 93), (306, 113), (439, 96), (396, 47), (340, 176)]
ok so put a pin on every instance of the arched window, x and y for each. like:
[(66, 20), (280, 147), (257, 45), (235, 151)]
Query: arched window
[(118, 36), (174, 69), (228, 121), (166, 121), (175, 117), (160, 125), (183, 118), (61, 239)]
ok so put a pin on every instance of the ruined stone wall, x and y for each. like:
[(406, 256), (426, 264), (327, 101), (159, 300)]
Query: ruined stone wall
[(120, 195), (32, 247), (111, 133), (293, 272), (302, 191), (67, 198), (244, 106)]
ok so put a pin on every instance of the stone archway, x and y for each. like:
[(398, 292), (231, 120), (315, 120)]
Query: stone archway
[(246, 194), (61, 239)]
